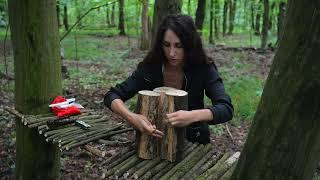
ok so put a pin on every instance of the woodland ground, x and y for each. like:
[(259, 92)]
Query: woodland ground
[(100, 62)]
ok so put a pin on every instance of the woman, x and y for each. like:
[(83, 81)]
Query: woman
[(177, 60)]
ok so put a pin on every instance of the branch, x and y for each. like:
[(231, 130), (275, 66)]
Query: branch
[(82, 16)]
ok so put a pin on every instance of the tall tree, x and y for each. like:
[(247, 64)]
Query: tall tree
[(107, 16), (225, 15), (144, 29), (113, 15), (162, 8), (216, 18), (189, 7), (211, 23), (58, 13), (65, 17), (37, 68), (200, 13), (265, 25), (284, 140), (232, 15), (281, 17), (258, 18), (121, 18)]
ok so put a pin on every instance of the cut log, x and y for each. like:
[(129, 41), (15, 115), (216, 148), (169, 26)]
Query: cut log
[(172, 143), (141, 171), (147, 105), (210, 162), (95, 151)]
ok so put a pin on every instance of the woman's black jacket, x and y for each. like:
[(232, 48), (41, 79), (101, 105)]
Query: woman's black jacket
[(197, 82)]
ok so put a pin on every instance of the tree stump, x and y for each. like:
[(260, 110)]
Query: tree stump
[(147, 105), (172, 143)]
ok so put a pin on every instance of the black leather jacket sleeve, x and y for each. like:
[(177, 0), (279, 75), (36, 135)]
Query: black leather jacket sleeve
[(222, 108)]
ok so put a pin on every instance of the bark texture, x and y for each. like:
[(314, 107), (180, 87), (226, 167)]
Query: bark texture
[(37, 81), (200, 13), (284, 140)]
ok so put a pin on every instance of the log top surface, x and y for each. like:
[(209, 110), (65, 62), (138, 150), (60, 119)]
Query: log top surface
[(176, 92), (163, 89), (149, 93)]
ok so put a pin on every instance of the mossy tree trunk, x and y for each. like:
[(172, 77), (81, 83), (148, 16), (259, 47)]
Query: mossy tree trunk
[(200, 13), (284, 140), (121, 18), (58, 13), (265, 24), (37, 68), (163, 8)]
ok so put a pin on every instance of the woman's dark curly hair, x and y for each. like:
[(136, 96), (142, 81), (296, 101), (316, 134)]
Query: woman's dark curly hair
[(183, 26)]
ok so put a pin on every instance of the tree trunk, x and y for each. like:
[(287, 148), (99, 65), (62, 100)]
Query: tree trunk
[(65, 17), (172, 144), (78, 15), (200, 13), (265, 27), (107, 16), (211, 23), (252, 15), (113, 15), (216, 18), (162, 8), (281, 17), (148, 101), (189, 7), (225, 14), (144, 29), (121, 18), (258, 19), (37, 81), (284, 140), (232, 14), (58, 13)]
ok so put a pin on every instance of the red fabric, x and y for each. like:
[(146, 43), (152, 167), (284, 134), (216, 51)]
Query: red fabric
[(62, 112)]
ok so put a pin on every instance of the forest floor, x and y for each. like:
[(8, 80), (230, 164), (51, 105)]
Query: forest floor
[(79, 163)]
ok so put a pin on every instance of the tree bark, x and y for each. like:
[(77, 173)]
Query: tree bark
[(200, 13), (189, 7), (266, 23), (148, 101), (121, 18), (65, 17), (163, 8), (144, 29), (107, 16), (37, 81), (225, 15), (283, 142), (172, 143), (258, 19)]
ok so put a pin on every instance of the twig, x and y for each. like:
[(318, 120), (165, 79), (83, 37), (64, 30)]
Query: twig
[(227, 127)]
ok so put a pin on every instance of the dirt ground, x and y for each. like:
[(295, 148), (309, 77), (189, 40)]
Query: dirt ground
[(79, 163)]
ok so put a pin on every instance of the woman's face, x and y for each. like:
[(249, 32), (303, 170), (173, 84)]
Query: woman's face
[(173, 49)]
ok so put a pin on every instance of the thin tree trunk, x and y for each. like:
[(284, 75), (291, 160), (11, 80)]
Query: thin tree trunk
[(281, 17), (252, 15), (121, 18), (65, 17), (189, 7), (283, 142), (113, 15), (144, 29), (107, 16), (211, 23), (216, 18), (163, 8), (58, 13), (200, 13), (265, 28), (78, 15), (225, 15), (258, 19), (232, 14), (37, 81)]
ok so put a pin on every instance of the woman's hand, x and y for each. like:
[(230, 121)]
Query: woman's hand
[(181, 118), (141, 123)]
